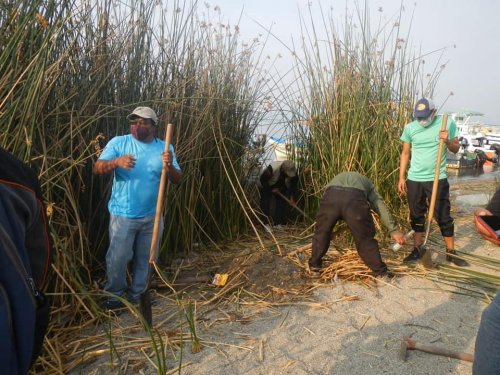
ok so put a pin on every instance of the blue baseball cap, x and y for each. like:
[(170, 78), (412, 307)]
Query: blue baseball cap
[(423, 108)]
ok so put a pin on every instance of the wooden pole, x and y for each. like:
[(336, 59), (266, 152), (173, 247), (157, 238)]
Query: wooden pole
[(161, 197), (426, 256), (437, 170)]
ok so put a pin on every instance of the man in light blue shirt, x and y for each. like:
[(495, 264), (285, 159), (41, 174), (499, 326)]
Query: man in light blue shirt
[(136, 160)]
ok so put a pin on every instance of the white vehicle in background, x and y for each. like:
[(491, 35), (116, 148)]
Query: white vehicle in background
[(469, 128), (476, 150)]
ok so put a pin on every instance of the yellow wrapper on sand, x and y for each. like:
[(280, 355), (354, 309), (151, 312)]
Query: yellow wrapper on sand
[(220, 279)]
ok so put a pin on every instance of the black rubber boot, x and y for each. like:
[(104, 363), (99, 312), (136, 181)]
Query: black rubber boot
[(451, 257)]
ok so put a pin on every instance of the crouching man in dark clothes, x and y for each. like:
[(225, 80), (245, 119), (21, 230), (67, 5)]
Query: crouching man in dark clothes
[(277, 177), (493, 207), (349, 196), (25, 258)]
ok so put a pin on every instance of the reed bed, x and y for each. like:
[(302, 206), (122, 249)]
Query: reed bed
[(70, 72), (357, 84)]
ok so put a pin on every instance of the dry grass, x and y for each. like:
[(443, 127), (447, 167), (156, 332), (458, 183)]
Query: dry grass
[(259, 279)]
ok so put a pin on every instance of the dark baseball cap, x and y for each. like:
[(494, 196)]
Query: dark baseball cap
[(423, 108)]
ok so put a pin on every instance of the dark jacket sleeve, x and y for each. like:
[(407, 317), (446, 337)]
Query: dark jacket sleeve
[(265, 176), (494, 204), (22, 193), (294, 183), (23, 221)]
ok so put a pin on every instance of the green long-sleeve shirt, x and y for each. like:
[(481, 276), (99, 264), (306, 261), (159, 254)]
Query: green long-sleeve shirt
[(360, 182)]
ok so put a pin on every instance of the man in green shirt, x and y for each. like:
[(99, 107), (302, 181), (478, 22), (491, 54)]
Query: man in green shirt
[(421, 139), (349, 196)]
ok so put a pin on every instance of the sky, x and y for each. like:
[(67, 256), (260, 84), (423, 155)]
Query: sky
[(467, 31)]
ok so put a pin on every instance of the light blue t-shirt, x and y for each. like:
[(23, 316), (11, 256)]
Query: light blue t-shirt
[(424, 148), (135, 191)]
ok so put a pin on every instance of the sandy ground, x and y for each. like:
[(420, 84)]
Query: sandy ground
[(343, 327), (336, 335), (347, 337)]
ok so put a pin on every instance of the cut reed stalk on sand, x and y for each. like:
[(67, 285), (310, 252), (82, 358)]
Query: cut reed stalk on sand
[(190, 313)]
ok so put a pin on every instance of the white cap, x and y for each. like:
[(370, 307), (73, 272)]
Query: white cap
[(288, 167), (144, 112)]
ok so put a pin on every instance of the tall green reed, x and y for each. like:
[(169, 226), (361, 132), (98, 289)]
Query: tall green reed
[(86, 67), (357, 88), (71, 71)]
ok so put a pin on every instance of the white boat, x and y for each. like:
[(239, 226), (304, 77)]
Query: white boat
[(463, 160), (285, 150), (492, 137), (475, 150), (469, 129)]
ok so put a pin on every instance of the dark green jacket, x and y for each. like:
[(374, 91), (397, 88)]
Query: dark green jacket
[(358, 181)]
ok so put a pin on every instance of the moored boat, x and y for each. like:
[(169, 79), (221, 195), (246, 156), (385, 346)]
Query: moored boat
[(469, 129), (462, 160), (285, 150), (475, 152), (492, 137)]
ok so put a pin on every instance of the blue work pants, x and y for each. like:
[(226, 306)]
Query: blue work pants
[(129, 241)]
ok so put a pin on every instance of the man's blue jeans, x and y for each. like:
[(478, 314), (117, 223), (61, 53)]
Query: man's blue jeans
[(129, 241), (487, 351)]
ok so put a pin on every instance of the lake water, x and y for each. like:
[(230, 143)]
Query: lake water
[(488, 178), (484, 174), (472, 200)]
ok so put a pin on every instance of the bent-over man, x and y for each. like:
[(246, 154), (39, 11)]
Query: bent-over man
[(349, 197)]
